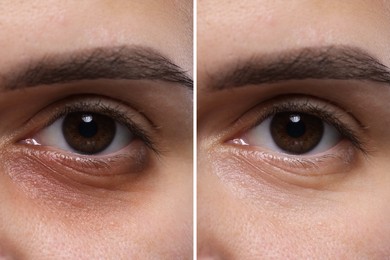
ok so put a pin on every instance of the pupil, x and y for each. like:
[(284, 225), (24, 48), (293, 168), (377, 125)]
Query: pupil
[(88, 127), (295, 128)]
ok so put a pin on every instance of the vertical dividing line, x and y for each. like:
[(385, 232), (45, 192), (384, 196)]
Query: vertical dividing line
[(195, 130)]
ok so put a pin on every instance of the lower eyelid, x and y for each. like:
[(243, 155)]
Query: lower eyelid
[(93, 171), (305, 171), (61, 193), (343, 153)]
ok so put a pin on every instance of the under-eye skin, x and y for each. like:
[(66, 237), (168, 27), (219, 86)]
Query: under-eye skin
[(300, 134), (89, 139)]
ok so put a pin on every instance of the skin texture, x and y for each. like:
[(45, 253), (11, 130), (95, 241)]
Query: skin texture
[(56, 208), (252, 206)]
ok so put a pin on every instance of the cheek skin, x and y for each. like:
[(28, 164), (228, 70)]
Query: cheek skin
[(343, 224), (149, 217), (255, 174), (120, 234), (157, 226), (66, 190)]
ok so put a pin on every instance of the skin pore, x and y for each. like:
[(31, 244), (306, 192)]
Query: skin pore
[(133, 202), (327, 59)]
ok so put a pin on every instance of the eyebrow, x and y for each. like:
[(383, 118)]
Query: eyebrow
[(329, 62), (122, 62)]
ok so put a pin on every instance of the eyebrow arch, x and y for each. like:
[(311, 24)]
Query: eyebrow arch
[(120, 62), (328, 62)]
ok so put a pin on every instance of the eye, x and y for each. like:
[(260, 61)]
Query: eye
[(293, 133), (90, 126), (88, 139), (86, 133), (298, 125), (297, 139)]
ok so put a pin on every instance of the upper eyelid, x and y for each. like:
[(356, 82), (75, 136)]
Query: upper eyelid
[(289, 104), (76, 102)]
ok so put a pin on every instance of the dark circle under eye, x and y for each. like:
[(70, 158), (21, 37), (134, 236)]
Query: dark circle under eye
[(88, 133), (296, 133)]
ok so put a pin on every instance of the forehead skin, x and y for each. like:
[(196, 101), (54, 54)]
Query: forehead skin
[(229, 29), (34, 28)]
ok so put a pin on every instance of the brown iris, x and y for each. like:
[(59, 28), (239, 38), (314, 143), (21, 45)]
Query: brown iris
[(88, 133), (296, 133)]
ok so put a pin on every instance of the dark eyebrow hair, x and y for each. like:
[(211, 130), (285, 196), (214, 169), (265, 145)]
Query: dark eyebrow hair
[(329, 62), (122, 62)]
